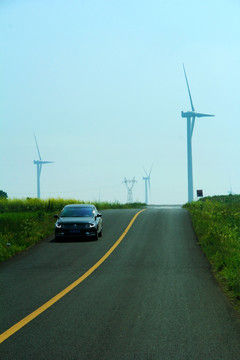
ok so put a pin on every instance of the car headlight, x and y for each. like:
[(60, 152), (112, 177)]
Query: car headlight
[(91, 225), (58, 225)]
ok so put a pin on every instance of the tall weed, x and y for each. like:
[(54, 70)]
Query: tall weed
[(21, 230), (50, 205)]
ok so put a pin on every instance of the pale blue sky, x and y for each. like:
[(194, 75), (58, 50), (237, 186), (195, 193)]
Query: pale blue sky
[(102, 86)]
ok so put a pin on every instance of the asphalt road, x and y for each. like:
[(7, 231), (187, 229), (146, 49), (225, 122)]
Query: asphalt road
[(153, 298)]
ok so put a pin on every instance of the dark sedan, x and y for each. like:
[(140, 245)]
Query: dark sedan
[(78, 220)]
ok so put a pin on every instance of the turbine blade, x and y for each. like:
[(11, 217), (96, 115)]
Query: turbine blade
[(188, 88), (37, 147), (192, 125), (145, 171), (150, 171), (202, 115)]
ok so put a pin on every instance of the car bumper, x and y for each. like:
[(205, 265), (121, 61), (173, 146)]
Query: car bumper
[(74, 233)]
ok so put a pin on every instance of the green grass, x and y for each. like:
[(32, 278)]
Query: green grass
[(25, 222), (32, 204), (216, 222)]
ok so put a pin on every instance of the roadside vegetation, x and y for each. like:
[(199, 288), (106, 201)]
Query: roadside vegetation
[(25, 222), (216, 221)]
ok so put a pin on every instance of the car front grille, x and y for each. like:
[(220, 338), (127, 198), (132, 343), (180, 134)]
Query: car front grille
[(76, 226)]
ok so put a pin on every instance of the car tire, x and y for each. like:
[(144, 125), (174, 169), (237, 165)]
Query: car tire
[(96, 236), (100, 233)]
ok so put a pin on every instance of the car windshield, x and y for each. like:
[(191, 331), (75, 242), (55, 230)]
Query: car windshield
[(77, 212)]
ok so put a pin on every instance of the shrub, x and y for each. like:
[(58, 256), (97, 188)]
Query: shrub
[(3, 195)]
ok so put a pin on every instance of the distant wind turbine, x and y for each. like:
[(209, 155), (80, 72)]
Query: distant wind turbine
[(39, 167), (147, 184), (190, 115)]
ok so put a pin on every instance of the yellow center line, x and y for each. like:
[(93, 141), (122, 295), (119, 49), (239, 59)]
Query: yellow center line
[(52, 301)]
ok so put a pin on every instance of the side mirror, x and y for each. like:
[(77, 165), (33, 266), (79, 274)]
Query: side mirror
[(56, 216)]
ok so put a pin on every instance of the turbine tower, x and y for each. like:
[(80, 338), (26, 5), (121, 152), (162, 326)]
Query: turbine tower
[(147, 184), (129, 184), (39, 167), (190, 116)]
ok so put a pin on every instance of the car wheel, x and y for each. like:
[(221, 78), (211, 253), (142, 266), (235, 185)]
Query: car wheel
[(100, 233), (96, 236)]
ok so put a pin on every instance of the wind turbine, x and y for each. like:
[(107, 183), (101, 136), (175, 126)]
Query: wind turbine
[(147, 184), (39, 167), (190, 116), (129, 184)]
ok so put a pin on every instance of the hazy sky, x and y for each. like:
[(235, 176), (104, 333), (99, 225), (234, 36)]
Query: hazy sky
[(101, 84)]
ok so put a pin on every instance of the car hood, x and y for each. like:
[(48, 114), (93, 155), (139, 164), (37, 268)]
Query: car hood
[(76, 220)]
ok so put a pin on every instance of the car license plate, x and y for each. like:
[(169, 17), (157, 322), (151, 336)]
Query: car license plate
[(75, 231)]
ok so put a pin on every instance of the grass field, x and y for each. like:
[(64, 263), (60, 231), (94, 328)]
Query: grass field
[(216, 221), (25, 222)]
